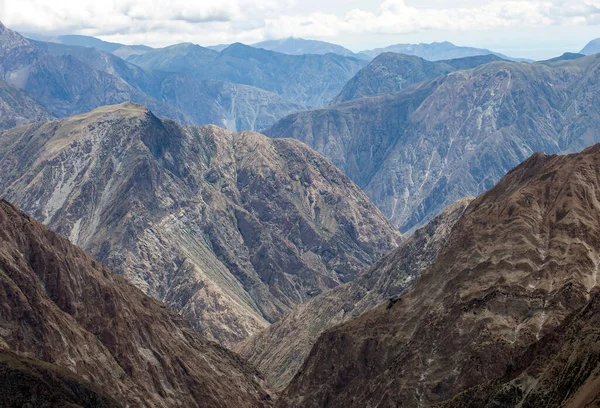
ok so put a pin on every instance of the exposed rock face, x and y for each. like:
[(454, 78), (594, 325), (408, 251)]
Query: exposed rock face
[(62, 307), (232, 230), (593, 47), (309, 80), (419, 150), (521, 260), (391, 72), (560, 370), (280, 350), (17, 108), (436, 51)]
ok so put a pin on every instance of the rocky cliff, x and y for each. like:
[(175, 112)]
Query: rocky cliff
[(71, 323), (419, 150), (231, 230), (518, 265), (280, 350)]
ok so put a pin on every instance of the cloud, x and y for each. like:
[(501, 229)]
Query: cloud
[(162, 22)]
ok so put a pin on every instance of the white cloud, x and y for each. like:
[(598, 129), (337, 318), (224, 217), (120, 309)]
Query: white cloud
[(165, 22)]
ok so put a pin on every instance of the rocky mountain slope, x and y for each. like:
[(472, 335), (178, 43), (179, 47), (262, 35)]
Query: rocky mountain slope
[(516, 267), (231, 230), (309, 80), (17, 107), (390, 72), (436, 51), (64, 309), (280, 350), (419, 150), (593, 47)]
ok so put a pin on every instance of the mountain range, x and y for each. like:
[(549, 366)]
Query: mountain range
[(231, 230), (503, 317), (433, 52), (242, 88), (418, 150)]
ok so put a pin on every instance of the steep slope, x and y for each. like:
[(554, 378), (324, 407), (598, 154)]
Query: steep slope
[(63, 84), (232, 230), (25, 382), (593, 47), (391, 72), (419, 150), (309, 80), (436, 51), (280, 350), (62, 307), (521, 260), (17, 108), (236, 107), (300, 46)]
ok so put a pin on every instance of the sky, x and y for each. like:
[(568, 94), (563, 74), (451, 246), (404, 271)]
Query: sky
[(520, 28)]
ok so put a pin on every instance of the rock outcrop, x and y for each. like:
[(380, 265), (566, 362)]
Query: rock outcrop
[(70, 323), (519, 267), (280, 350), (231, 230)]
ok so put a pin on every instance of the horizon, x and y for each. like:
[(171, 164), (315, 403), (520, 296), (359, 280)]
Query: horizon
[(517, 28)]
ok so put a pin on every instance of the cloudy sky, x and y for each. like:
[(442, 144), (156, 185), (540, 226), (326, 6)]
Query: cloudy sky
[(520, 28)]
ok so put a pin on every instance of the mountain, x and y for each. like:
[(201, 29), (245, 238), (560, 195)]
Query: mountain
[(515, 285), (308, 80), (593, 47), (233, 106), (71, 323), (567, 56), (17, 108), (120, 50), (65, 85), (231, 230), (280, 350), (83, 78), (300, 46), (433, 52), (419, 150), (390, 72)]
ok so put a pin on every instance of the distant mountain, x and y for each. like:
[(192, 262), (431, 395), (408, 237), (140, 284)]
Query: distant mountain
[(71, 79), (280, 350), (567, 56), (390, 72), (218, 48), (308, 80), (120, 50), (593, 47), (506, 316), (300, 46), (433, 52), (17, 108), (65, 85), (231, 230), (75, 334), (418, 150)]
